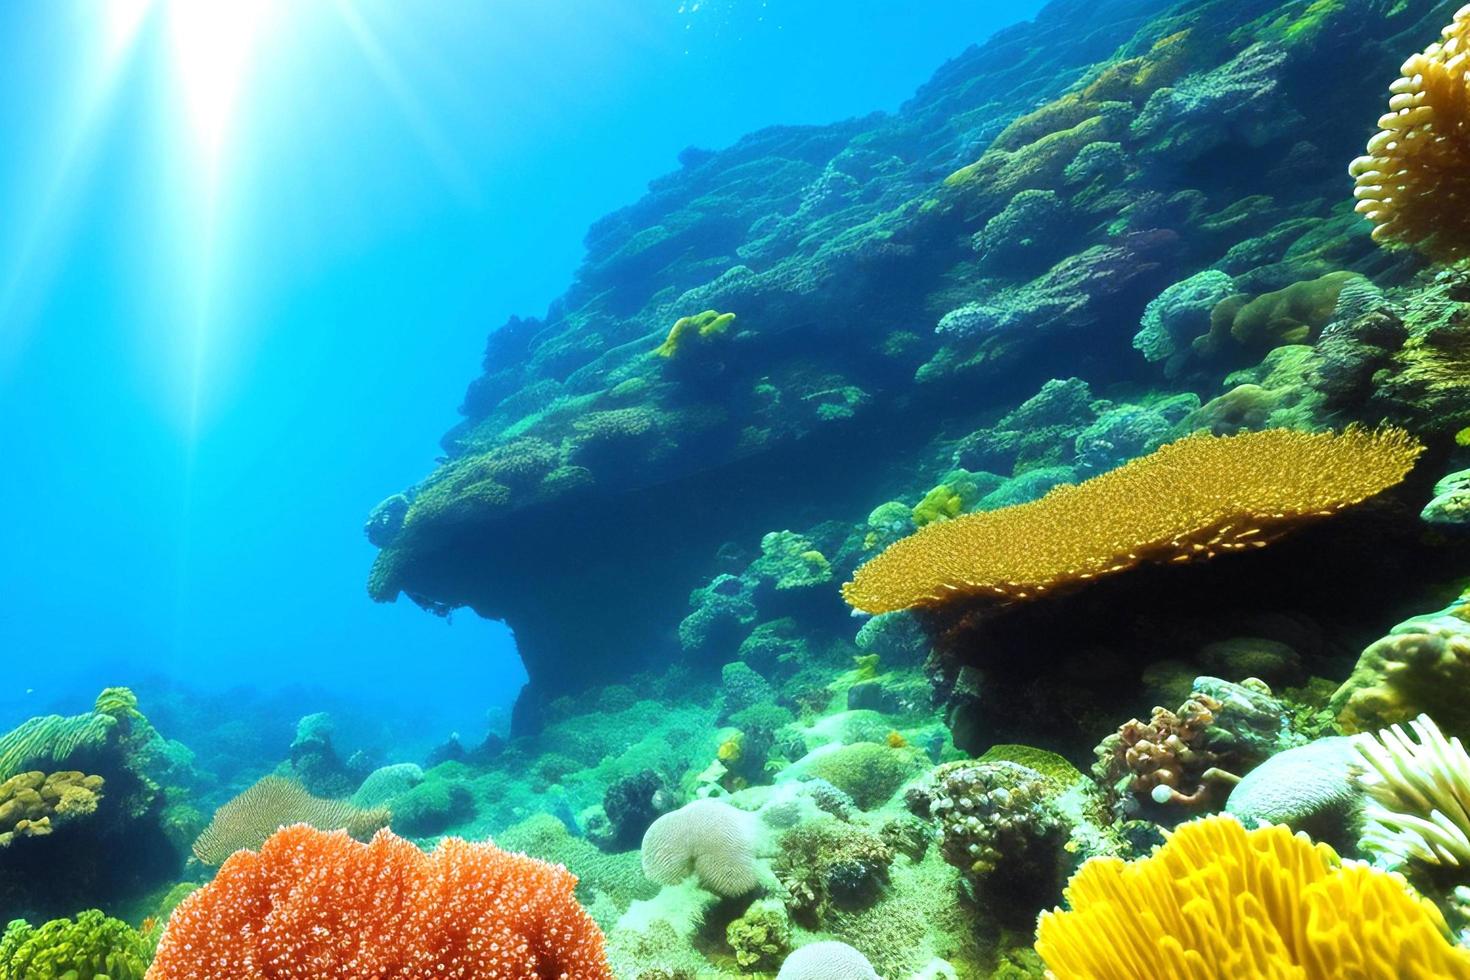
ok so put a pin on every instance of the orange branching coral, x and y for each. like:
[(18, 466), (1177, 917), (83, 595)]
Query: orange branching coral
[(246, 821), (1218, 900), (1194, 498), (313, 905), (1414, 181)]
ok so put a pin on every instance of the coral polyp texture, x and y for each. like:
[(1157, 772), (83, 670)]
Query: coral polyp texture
[(1414, 181), (1217, 900), (312, 904), (247, 820), (1195, 498)]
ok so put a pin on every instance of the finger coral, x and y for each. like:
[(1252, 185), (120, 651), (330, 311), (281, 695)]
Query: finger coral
[(1217, 900), (1192, 499), (312, 904), (1414, 181), (246, 821)]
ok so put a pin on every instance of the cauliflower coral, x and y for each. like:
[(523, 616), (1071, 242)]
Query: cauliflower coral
[(313, 904)]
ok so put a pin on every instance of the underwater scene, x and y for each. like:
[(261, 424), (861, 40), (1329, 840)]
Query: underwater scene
[(927, 489)]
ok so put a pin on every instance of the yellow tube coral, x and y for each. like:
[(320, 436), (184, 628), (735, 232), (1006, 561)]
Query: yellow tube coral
[(1414, 181), (1194, 498), (1219, 901)]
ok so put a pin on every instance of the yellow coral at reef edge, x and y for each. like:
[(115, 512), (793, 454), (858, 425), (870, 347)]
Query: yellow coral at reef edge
[(1194, 498), (1413, 182), (1217, 900)]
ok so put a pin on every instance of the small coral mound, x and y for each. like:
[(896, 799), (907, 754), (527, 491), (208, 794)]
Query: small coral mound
[(1414, 181), (1194, 498), (694, 329), (1220, 901), (827, 961), (707, 838), (93, 947), (34, 804), (246, 821), (314, 904), (1418, 811), (1422, 665)]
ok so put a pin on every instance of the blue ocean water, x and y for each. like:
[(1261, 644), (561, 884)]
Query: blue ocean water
[(248, 266)]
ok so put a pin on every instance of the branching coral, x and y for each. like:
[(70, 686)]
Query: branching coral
[(1220, 901), (1164, 759), (1194, 498), (1418, 811), (314, 904), (246, 821), (33, 804), (92, 947), (1414, 181)]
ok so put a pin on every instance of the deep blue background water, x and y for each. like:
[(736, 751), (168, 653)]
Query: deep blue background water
[(215, 357)]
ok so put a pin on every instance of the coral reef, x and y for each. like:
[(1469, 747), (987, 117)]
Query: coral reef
[(339, 907), (1218, 900), (1192, 499), (826, 961)]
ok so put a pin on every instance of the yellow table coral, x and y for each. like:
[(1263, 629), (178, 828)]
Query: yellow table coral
[(1219, 901), (1194, 498)]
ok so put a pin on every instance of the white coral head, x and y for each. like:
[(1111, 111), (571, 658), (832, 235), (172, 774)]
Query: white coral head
[(707, 838), (827, 961)]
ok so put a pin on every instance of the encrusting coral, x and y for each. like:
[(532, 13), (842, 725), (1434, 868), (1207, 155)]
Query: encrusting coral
[(245, 822), (1421, 666), (314, 904), (1414, 181), (1217, 900), (1191, 499), (701, 328), (34, 804), (91, 947)]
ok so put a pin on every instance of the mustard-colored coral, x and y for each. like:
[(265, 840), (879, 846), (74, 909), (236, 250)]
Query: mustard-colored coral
[(1414, 181), (33, 804), (1217, 900), (248, 820), (701, 327), (1192, 499)]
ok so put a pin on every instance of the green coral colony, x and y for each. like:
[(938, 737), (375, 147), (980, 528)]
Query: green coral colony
[(1107, 263)]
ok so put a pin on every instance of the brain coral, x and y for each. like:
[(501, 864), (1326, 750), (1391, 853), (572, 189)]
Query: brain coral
[(1194, 498), (707, 838), (312, 904), (1220, 901), (247, 820), (828, 960), (1414, 181)]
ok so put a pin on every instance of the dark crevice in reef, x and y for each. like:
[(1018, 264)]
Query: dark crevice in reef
[(1056, 671)]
